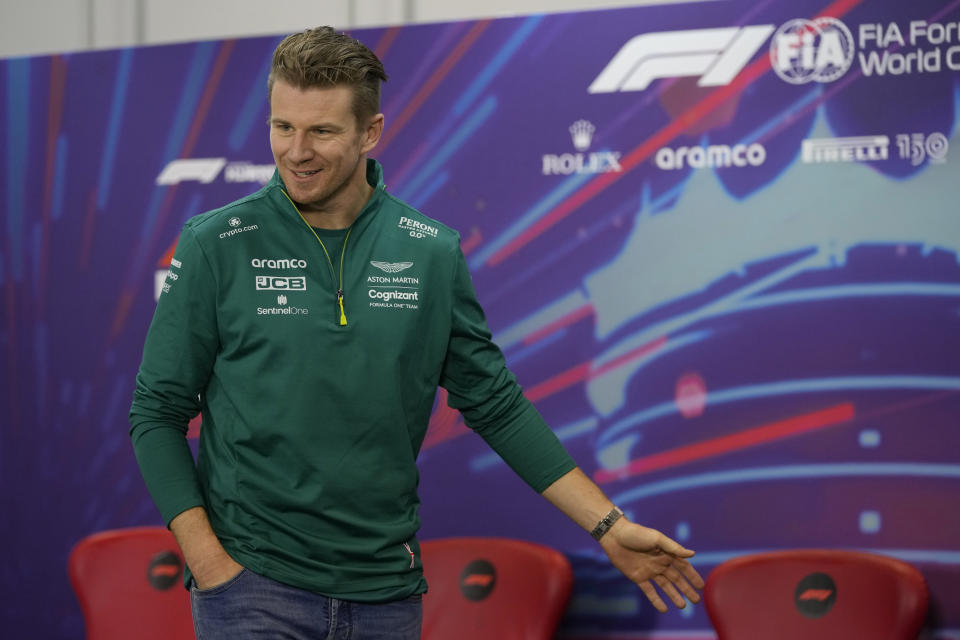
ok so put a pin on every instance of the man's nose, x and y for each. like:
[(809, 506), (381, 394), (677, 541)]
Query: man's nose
[(300, 150)]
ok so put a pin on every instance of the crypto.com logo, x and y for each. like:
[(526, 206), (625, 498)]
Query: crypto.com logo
[(801, 51)]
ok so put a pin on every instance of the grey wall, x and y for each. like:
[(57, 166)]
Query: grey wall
[(31, 27)]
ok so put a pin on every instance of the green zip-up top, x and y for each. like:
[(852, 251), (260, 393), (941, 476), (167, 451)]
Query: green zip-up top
[(316, 376)]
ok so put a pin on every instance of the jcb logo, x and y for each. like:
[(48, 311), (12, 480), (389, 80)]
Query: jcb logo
[(281, 283)]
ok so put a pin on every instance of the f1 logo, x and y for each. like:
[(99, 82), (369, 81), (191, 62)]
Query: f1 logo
[(202, 170), (716, 55)]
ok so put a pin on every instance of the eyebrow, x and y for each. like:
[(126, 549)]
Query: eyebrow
[(318, 125)]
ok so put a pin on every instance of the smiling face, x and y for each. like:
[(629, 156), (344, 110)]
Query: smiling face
[(320, 147)]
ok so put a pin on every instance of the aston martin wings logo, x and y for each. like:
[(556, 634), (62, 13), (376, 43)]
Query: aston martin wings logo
[(391, 267)]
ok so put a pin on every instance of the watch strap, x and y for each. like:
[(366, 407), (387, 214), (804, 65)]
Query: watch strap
[(604, 525)]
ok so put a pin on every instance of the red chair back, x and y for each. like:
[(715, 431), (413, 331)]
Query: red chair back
[(483, 588), (130, 585), (827, 595)]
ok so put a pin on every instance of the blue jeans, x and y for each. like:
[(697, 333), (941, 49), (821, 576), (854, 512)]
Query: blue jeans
[(253, 606)]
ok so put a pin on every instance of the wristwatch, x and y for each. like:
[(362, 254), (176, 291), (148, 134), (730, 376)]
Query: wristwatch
[(604, 525)]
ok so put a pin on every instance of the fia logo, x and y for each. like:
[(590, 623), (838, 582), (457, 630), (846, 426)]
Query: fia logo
[(235, 221), (819, 50)]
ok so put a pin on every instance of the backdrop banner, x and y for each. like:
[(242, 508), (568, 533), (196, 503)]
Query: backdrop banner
[(717, 241)]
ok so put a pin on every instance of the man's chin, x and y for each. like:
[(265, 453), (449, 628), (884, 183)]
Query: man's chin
[(303, 197)]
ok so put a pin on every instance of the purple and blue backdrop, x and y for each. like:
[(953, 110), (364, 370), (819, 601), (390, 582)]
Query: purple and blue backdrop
[(723, 263)]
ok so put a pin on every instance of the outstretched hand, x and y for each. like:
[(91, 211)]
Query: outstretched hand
[(648, 557), (644, 555)]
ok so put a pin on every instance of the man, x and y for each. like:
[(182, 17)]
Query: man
[(311, 323)]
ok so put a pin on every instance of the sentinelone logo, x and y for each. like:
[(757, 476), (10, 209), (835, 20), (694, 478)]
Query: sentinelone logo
[(206, 170), (801, 51)]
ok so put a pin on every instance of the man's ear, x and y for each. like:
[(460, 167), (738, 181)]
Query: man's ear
[(373, 133)]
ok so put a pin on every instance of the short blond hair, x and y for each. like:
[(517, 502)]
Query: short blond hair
[(322, 57)]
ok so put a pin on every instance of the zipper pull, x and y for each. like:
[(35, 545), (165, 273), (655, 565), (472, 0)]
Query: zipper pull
[(343, 316)]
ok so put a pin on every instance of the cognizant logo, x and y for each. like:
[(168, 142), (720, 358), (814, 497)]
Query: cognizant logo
[(387, 296), (714, 156)]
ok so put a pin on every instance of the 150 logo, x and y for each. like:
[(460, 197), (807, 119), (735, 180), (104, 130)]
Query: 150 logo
[(917, 147)]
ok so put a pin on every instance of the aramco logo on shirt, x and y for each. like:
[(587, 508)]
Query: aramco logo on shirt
[(565, 164)]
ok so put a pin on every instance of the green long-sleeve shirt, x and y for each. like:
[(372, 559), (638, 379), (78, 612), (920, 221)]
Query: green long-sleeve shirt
[(311, 427)]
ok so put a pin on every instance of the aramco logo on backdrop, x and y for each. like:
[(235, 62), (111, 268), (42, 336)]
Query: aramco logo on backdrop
[(565, 164)]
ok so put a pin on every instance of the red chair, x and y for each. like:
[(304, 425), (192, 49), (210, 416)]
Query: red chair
[(485, 588), (827, 595), (130, 585)]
